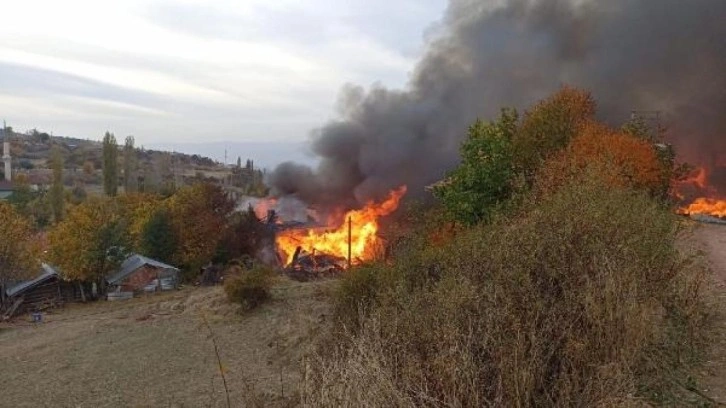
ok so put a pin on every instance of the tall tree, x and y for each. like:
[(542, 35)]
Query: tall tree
[(158, 240), (129, 165), (16, 248), (57, 196), (199, 215), (110, 164)]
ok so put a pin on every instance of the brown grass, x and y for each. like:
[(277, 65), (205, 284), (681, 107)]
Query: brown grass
[(582, 301)]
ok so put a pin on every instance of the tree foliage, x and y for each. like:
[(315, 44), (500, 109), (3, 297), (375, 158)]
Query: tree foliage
[(110, 165), (549, 126), (245, 235), (91, 241), (17, 252), (484, 179), (57, 194), (620, 159), (158, 240), (199, 215), (129, 165)]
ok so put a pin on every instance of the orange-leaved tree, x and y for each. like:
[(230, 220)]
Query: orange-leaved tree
[(620, 159)]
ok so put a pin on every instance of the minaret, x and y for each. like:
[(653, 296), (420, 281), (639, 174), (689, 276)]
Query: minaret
[(6, 154)]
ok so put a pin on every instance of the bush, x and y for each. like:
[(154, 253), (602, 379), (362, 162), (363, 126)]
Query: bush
[(250, 288), (582, 301)]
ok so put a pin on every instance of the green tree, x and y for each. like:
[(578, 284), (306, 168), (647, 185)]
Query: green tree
[(57, 193), (110, 164), (484, 180), (158, 240), (129, 164)]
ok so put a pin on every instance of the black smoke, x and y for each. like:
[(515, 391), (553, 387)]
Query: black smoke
[(665, 55)]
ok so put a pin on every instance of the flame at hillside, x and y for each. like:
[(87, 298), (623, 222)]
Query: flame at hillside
[(364, 239), (701, 194)]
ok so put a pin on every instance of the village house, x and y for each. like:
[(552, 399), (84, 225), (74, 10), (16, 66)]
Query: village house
[(47, 290), (140, 274)]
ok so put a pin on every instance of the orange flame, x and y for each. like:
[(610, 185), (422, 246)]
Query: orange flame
[(709, 203), (364, 233), (707, 206)]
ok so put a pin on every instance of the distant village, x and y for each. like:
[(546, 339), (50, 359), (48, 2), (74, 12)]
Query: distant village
[(97, 220)]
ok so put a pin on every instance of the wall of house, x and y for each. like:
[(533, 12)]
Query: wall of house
[(46, 293), (140, 278)]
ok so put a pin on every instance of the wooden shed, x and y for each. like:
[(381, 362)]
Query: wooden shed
[(45, 291), (140, 274)]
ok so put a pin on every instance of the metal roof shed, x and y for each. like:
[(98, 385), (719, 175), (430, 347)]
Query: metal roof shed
[(139, 273)]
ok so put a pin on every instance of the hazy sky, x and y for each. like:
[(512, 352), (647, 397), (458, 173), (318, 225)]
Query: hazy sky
[(199, 70)]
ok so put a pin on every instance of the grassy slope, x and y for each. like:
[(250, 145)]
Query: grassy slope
[(157, 351)]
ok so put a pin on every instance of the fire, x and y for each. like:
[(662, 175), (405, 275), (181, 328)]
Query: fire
[(708, 206), (364, 239), (708, 201)]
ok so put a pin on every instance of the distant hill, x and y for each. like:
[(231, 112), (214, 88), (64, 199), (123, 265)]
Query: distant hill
[(83, 161)]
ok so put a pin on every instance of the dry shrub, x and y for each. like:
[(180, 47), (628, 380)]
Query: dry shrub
[(250, 288), (584, 301)]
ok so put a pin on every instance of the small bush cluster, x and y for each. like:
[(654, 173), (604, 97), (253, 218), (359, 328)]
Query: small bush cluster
[(250, 288)]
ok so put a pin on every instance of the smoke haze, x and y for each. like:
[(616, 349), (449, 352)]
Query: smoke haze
[(667, 55)]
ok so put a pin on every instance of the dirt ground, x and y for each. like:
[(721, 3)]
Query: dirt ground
[(158, 351), (712, 241)]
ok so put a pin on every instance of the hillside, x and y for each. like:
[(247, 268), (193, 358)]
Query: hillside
[(159, 350), (153, 170)]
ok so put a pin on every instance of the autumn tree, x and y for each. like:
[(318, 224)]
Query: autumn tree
[(129, 164), (91, 241), (137, 209), (199, 215), (17, 254), (110, 165), (57, 191), (484, 180), (549, 126), (618, 158)]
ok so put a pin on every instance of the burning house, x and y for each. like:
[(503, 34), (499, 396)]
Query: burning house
[(332, 242)]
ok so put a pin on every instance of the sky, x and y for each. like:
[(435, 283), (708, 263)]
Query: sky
[(199, 72)]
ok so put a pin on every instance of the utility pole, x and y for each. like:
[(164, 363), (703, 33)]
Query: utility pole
[(350, 235)]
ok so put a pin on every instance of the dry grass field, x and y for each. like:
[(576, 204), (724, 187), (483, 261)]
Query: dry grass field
[(158, 351)]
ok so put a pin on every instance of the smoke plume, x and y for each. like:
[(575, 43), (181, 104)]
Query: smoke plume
[(665, 55)]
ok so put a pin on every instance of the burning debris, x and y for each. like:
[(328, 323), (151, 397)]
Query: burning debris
[(353, 236), (307, 266), (344, 238)]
